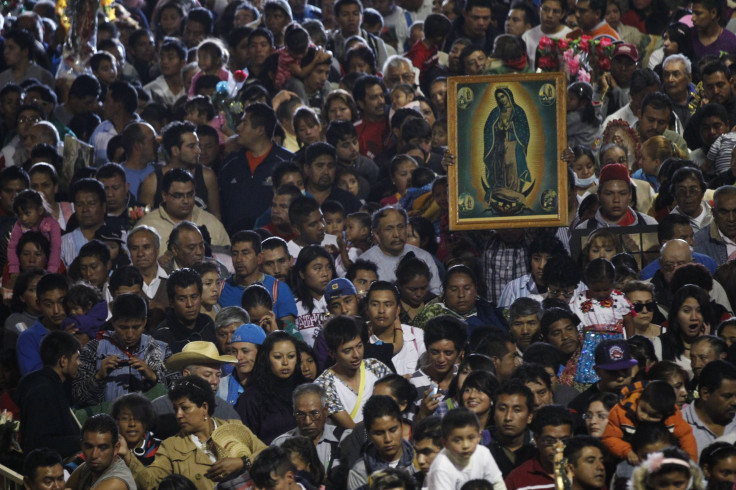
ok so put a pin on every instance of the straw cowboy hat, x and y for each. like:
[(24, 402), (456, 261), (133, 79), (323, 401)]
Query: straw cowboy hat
[(228, 440), (198, 352)]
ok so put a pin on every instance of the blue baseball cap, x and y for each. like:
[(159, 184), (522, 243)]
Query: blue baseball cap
[(249, 332), (337, 288)]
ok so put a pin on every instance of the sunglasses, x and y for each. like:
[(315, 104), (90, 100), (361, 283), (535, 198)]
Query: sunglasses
[(650, 306)]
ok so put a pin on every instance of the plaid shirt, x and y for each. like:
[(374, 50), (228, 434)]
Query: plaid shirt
[(503, 262)]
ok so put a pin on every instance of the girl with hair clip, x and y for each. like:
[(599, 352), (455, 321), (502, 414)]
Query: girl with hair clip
[(670, 469), (583, 120), (602, 244)]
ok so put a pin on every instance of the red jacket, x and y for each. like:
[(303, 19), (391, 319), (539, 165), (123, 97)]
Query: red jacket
[(620, 427)]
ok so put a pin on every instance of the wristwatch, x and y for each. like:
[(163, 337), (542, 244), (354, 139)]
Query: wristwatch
[(246, 463)]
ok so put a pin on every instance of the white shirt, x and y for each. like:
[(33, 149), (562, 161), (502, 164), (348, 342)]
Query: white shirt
[(444, 474), (160, 92), (406, 361), (150, 289), (730, 244), (387, 264), (310, 323), (295, 248), (534, 35)]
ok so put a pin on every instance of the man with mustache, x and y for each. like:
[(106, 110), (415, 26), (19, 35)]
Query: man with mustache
[(716, 240), (712, 415), (390, 225)]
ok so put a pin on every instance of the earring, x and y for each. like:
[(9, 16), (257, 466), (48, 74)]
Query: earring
[(205, 418)]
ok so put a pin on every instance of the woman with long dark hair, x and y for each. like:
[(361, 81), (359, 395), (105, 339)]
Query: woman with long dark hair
[(687, 320), (266, 406), (314, 268)]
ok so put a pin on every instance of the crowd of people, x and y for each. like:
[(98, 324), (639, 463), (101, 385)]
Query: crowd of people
[(253, 281)]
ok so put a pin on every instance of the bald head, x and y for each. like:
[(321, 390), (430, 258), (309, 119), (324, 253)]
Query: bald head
[(674, 253), (42, 132)]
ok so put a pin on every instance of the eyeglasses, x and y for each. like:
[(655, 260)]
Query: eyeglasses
[(670, 266), (314, 415), (551, 441), (404, 77), (649, 305), (29, 119), (566, 293), (181, 195)]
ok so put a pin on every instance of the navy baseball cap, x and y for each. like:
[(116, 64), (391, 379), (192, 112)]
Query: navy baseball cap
[(612, 355), (337, 288)]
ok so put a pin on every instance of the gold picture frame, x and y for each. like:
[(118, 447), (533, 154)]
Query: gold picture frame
[(507, 133)]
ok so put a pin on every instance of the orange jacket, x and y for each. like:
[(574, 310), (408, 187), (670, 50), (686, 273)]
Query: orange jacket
[(620, 427)]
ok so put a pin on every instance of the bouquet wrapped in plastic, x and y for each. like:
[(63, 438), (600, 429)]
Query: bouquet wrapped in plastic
[(79, 18), (229, 105), (581, 59)]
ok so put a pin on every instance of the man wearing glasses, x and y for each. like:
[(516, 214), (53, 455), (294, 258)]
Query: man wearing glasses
[(178, 205), (396, 70), (675, 254), (310, 412), (15, 152), (550, 425), (180, 144)]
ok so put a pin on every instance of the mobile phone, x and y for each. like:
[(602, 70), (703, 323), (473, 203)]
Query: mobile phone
[(123, 362), (434, 388)]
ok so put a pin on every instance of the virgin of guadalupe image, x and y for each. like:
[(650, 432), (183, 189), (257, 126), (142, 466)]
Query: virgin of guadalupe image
[(506, 180)]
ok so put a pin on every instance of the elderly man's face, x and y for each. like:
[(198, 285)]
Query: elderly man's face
[(402, 73), (39, 133), (674, 254), (310, 415), (724, 214), (675, 78)]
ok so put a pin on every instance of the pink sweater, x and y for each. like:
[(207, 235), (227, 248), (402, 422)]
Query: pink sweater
[(50, 229)]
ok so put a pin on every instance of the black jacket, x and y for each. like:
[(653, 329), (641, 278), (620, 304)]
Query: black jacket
[(45, 416), (177, 335)]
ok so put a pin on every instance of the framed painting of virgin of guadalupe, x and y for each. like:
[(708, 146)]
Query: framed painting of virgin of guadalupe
[(507, 133)]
